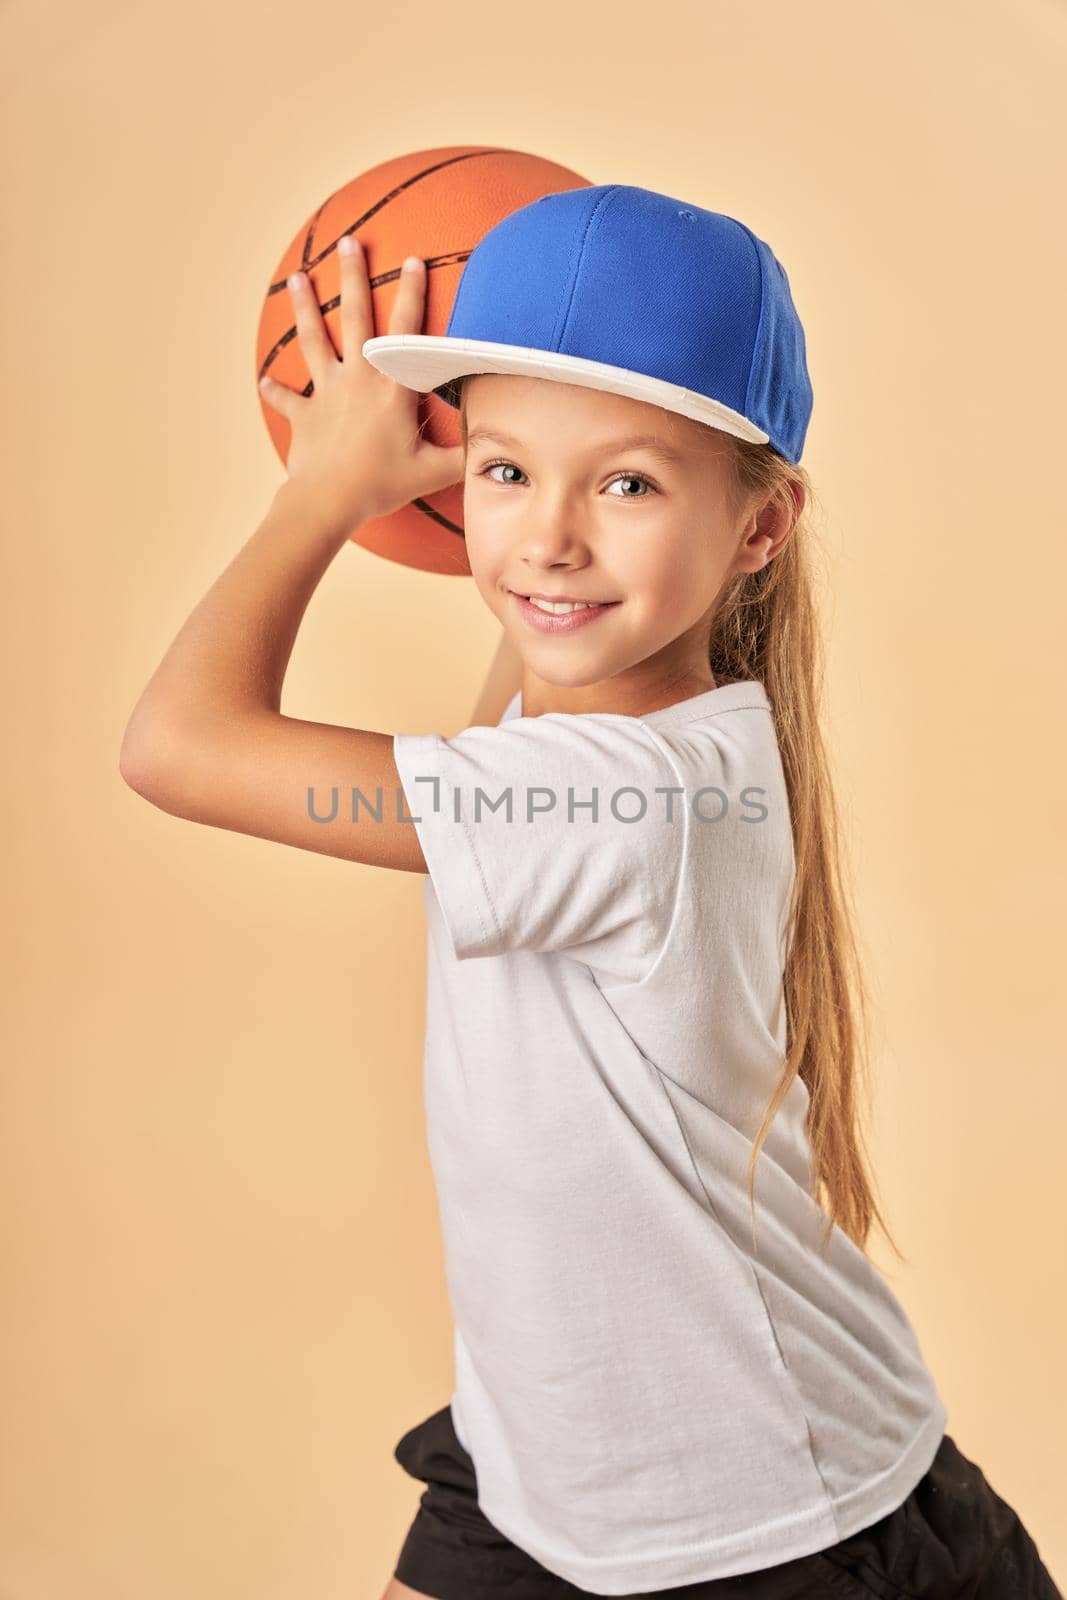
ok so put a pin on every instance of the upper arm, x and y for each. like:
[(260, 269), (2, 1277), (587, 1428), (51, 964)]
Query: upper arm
[(550, 833), (280, 778)]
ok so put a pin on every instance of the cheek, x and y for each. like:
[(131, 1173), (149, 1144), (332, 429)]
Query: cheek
[(486, 544), (671, 571), (674, 585), (489, 558)]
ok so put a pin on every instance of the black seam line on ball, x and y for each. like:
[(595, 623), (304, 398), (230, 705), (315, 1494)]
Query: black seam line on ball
[(445, 522), (416, 177)]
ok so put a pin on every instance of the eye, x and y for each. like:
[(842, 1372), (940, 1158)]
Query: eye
[(634, 477), (620, 477), (490, 465)]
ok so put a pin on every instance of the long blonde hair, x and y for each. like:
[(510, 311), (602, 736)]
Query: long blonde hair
[(766, 628)]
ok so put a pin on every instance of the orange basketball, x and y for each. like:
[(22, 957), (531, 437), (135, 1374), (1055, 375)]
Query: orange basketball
[(436, 204)]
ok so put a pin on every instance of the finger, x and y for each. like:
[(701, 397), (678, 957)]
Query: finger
[(315, 342), (441, 466), (357, 308), (278, 397), (408, 307)]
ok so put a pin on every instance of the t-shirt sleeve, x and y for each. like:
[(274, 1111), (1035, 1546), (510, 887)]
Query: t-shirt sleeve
[(552, 833)]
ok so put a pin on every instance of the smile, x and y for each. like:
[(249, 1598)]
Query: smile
[(562, 616)]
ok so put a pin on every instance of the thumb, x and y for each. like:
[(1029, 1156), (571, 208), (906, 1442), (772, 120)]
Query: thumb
[(441, 466)]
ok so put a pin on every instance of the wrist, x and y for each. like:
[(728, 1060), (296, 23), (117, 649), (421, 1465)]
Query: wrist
[(297, 502)]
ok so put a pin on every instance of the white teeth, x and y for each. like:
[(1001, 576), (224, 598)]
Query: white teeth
[(559, 607)]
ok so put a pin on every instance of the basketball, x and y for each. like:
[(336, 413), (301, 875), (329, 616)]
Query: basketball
[(436, 204)]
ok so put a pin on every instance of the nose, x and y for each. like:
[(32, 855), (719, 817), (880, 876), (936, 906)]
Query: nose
[(553, 536)]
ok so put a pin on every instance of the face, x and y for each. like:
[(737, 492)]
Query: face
[(561, 500)]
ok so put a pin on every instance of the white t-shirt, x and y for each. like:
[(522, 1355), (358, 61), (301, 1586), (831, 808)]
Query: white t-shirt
[(648, 1400)]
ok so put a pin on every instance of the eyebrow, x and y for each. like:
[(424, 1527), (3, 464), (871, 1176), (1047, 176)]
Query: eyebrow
[(634, 441)]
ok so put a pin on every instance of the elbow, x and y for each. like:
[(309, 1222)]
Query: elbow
[(149, 759), (134, 769), (131, 759)]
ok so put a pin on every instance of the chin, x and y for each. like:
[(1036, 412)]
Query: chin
[(576, 678)]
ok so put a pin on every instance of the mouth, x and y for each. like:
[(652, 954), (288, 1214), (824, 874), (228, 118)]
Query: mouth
[(563, 599), (551, 614)]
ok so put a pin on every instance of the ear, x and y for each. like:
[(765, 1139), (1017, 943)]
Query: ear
[(769, 527)]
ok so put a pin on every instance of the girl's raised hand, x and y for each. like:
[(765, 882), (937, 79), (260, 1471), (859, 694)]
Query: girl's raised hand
[(356, 450)]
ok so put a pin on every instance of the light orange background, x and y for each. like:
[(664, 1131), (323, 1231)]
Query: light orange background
[(224, 1297)]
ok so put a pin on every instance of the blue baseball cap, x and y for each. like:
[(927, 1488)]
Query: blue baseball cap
[(619, 288)]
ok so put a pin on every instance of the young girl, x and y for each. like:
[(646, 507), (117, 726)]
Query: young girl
[(677, 1371)]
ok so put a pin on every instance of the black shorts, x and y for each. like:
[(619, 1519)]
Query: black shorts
[(952, 1536)]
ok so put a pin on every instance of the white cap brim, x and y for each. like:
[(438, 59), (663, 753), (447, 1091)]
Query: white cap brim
[(425, 361)]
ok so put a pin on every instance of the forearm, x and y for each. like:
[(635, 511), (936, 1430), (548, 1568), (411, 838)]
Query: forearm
[(231, 654), (502, 681)]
